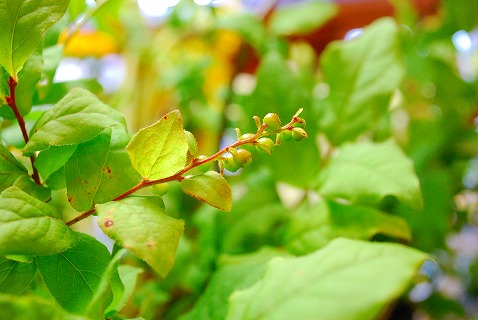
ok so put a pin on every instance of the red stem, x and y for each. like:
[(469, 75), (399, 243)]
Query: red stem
[(179, 175), (12, 102)]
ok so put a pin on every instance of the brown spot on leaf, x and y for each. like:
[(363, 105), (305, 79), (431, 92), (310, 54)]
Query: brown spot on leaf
[(70, 199), (108, 223)]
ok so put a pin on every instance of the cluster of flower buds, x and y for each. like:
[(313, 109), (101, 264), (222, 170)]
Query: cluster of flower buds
[(237, 156)]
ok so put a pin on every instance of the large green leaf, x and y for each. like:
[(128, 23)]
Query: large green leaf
[(211, 188), (234, 273), (368, 276), (73, 276), (78, 117), (362, 74), (23, 24), (31, 227), (15, 276), (367, 172), (32, 307), (302, 17), (140, 225), (10, 168), (312, 228), (160, 150), (98, 171)]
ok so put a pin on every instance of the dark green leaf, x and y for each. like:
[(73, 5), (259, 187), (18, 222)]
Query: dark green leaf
[(301, 17), (78, 117), (24, 22), (140, 225), (73, 276), (16, 276), (31, 227), (53, 159), (10, 168), (367, 172), (362, 74), (98, 172), (370, 275), (211, 188), (160, 150)]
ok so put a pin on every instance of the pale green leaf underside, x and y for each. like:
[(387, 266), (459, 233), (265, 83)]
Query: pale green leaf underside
[(23, 24), (31, 227), (140, 225), (367, 172), (362, 74), (366, 276), (211, 188), (74, 275), (78, 117), (301, 17), (160, 150)]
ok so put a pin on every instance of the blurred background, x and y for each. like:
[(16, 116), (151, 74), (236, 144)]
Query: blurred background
[(223, 61)]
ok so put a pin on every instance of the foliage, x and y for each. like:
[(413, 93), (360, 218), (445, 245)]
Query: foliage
[(336, 213)]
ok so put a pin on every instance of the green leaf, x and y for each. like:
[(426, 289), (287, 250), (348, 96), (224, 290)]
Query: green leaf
[(32, 307), (98, 171), (235, 273), (24, 22), (211, 188), (29, 226), (30, 187), (140, 225), (110, 283), (129, 276), (16, 276), (10, 168), (300, 18), (367, 172), (362, 74), (27, 81), (160, 150), (312, 228), (78, 117), (53, 159), (369, 275), (73, 276)]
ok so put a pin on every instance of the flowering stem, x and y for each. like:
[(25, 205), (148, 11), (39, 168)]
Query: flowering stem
[(195, 163)]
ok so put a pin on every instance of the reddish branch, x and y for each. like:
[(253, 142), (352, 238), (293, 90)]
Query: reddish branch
[(12, 102)]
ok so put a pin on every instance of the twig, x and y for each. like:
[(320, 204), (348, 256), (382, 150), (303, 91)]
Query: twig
[(11, 101)]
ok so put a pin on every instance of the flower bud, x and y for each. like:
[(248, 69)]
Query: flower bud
[(300, 123), (160, 189), (272, 121), (228, 163), (298, 134), (264, 145), (242, 157), (286, 135)]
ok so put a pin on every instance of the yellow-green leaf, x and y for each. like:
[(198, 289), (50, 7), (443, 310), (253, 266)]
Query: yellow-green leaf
[(160, 150)]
